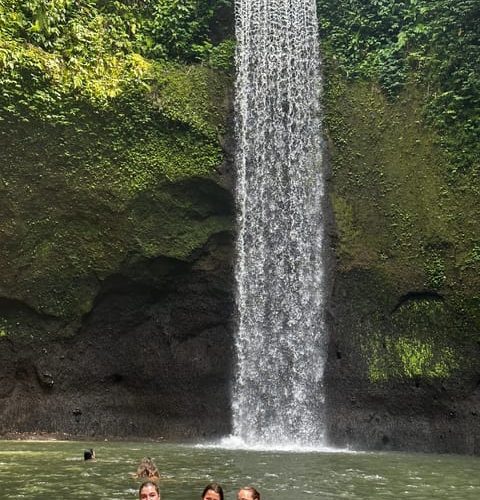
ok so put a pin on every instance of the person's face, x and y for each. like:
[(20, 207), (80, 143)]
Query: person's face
[(149, 492), (244, 495), (211, 495)]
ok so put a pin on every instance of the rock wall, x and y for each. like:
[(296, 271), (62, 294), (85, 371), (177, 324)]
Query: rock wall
[(403, 369), (116, 248), (116, 290), (151, 359)]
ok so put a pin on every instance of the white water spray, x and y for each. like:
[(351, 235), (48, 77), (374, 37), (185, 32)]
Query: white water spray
[(277, 397)]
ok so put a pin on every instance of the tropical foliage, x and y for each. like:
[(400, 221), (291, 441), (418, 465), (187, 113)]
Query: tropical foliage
[(435, 42), (180, 29), (55, 52)]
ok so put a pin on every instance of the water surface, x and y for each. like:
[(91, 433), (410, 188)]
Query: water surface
[(46, 470)]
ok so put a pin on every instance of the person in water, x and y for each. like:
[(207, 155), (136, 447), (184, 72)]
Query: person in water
[(248, 493), (212, 491), (149, 491), (147, 470), (89, 454)]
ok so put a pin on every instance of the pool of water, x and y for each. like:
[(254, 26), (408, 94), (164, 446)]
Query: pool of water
[(54, 469)]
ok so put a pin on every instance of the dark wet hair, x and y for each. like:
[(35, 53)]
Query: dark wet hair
[(252, 490), (149, 483), (214, 487), (88, 454)]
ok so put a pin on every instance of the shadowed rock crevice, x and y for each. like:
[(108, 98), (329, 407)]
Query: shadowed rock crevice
[(417, 297)]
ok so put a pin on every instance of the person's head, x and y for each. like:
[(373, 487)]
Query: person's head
[(149, 491), (212, 491), (248, 493), (147, 469), (89, 454)]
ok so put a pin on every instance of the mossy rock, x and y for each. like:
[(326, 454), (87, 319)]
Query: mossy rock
[(80, 198), (409, 229)]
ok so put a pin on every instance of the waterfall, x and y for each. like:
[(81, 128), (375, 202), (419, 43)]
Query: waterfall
[(277, 395)]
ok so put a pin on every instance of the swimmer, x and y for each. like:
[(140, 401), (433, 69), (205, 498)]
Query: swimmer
[(248, 493), (147, 470), (89, 454), (149, 491), (212, 491)]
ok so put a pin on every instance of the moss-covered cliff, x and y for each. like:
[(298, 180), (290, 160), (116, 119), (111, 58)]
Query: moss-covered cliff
[(404, 356), (112, 193), (81, 198)]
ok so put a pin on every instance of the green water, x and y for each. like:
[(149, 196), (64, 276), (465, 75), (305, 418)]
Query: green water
[(48, 470)]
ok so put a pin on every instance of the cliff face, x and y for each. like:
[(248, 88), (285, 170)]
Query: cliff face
[(116, 291), (152, 357), (402, 105), (403, 370), (116, 231)]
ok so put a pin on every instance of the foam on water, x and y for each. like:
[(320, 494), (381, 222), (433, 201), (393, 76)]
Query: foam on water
[(236, 443)]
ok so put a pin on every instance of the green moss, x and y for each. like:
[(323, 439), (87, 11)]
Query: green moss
[(397, 210), (421, 339), (5, 327), (172, 226), (405, 357), (79, 198), (192, 95), (58, 257), (435, 274), (350, 243), (407, 242), (95, 140)]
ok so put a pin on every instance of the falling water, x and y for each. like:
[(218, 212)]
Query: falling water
[(280, 334)]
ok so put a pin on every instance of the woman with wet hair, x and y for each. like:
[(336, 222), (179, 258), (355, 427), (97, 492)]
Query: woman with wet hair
[(248, 493), (212, 491), (147, 470), (89, 455), (149, 491)]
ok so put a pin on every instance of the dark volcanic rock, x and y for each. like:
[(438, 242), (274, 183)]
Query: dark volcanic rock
[(153, 358)]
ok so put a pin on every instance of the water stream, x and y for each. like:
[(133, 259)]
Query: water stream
[(278, 388)]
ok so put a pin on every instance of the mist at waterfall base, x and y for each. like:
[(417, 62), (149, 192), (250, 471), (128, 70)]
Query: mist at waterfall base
[(277, 395), (46, 470)]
